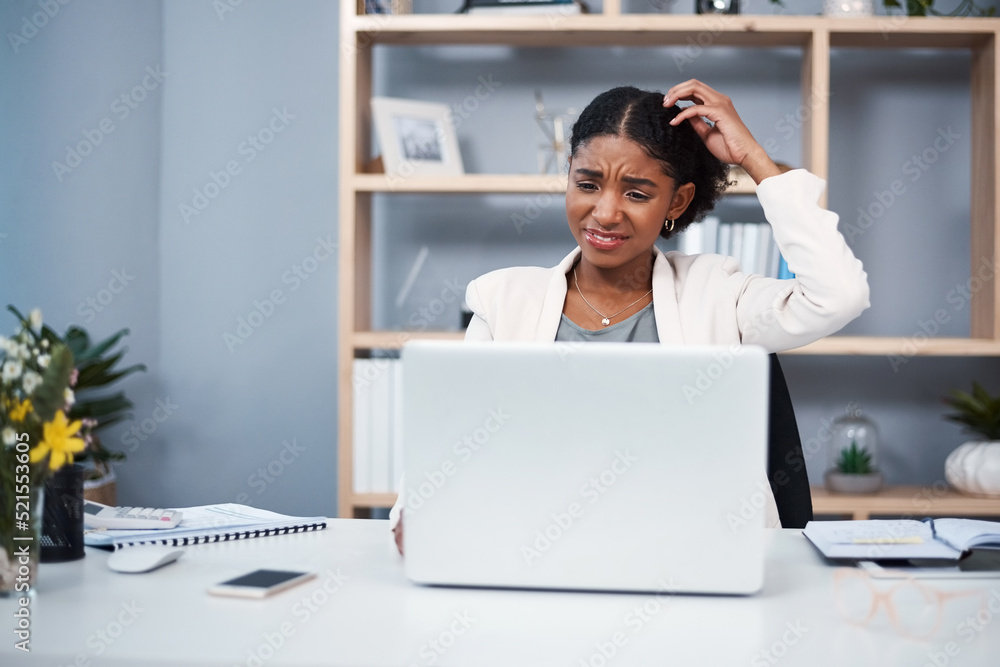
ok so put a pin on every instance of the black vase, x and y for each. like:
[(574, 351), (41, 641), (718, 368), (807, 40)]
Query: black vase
[(717, 6), (62, 518)]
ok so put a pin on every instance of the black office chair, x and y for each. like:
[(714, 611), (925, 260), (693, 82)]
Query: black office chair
[(786, 466)]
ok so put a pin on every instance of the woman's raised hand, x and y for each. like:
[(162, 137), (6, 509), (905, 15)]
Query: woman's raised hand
[(726, 137)]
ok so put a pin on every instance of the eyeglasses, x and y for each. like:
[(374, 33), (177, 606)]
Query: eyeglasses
[(914, 608)]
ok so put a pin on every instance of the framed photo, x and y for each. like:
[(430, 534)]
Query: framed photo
[(416, 137)]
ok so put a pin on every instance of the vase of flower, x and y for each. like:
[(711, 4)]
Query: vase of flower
[(36, 440), (20, 537)]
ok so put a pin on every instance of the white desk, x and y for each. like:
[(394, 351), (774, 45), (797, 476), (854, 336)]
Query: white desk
[(84, 614)]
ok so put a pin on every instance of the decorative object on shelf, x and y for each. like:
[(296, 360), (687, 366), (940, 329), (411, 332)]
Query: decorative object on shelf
[(854, 451), (717, 6), (926, 8), (550, 7), (553, 156), (848, 8), (416, 138), (37, 438), (388, 7), (974, 467)]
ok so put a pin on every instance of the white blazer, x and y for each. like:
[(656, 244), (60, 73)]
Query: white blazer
[(705, 299)]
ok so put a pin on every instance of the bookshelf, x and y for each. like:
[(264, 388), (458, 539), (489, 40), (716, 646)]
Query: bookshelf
[(815, 36)]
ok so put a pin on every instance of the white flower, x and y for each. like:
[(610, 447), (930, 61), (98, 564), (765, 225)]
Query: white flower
[(31, 381), (69, 397), (35, 319), (43, 360), (23, 351), (5, 345), (9, 436), (11, 371), (45, 343)]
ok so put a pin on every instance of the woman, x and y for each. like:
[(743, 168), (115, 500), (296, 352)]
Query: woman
[(642, 168)]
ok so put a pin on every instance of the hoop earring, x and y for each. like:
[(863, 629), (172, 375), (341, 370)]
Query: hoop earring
[(668, 225)]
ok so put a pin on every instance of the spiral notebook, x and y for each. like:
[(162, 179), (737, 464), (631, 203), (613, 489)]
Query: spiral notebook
[(209, 523)]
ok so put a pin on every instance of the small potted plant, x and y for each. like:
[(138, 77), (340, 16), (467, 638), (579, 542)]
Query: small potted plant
[(854, 448), (974, 468)]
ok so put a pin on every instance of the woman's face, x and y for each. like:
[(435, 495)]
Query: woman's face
[(617, 201)]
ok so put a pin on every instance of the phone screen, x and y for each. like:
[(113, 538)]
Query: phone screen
[(263, 578)]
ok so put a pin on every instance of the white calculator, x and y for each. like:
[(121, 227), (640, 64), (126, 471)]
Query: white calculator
[(96, 515)]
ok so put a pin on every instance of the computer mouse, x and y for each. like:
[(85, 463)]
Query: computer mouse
[(143, 558)]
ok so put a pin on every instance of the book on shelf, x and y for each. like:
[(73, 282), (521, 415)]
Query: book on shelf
[(378, 432), (209, 523), (750, 243), (885, 539)]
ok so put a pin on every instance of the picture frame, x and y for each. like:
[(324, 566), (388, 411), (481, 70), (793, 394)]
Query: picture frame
[(416, 137)]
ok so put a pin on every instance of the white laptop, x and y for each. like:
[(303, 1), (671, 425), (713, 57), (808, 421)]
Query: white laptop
[(601, 466)]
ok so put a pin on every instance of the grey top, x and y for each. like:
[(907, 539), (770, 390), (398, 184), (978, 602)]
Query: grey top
[(639, 328)]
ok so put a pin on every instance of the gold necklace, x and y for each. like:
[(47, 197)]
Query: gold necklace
[(606, 319)]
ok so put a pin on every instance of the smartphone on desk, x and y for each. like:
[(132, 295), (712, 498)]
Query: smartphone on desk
[(261, 583)]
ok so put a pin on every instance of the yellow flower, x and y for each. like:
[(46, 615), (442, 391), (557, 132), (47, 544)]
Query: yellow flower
[(20, 410), (57, 438)]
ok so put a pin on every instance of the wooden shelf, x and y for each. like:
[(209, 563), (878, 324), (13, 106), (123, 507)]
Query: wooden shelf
[(393, 340), (901, 347), (906, 501), (814, 38), (493, 183), (829, 346), (674, 30)]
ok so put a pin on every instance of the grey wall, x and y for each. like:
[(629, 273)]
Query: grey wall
[(190, 281), (266, 70)]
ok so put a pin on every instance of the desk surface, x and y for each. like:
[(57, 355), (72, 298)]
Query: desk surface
[(362, 611)]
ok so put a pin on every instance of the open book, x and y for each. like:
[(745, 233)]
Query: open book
[(209, 523), (878, 539)]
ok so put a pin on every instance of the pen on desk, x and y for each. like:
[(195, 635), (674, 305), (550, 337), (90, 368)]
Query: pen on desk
[(930, 522)]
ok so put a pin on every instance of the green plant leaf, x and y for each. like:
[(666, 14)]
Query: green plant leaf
[(101, 407), (100, 348), (50, 396)]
